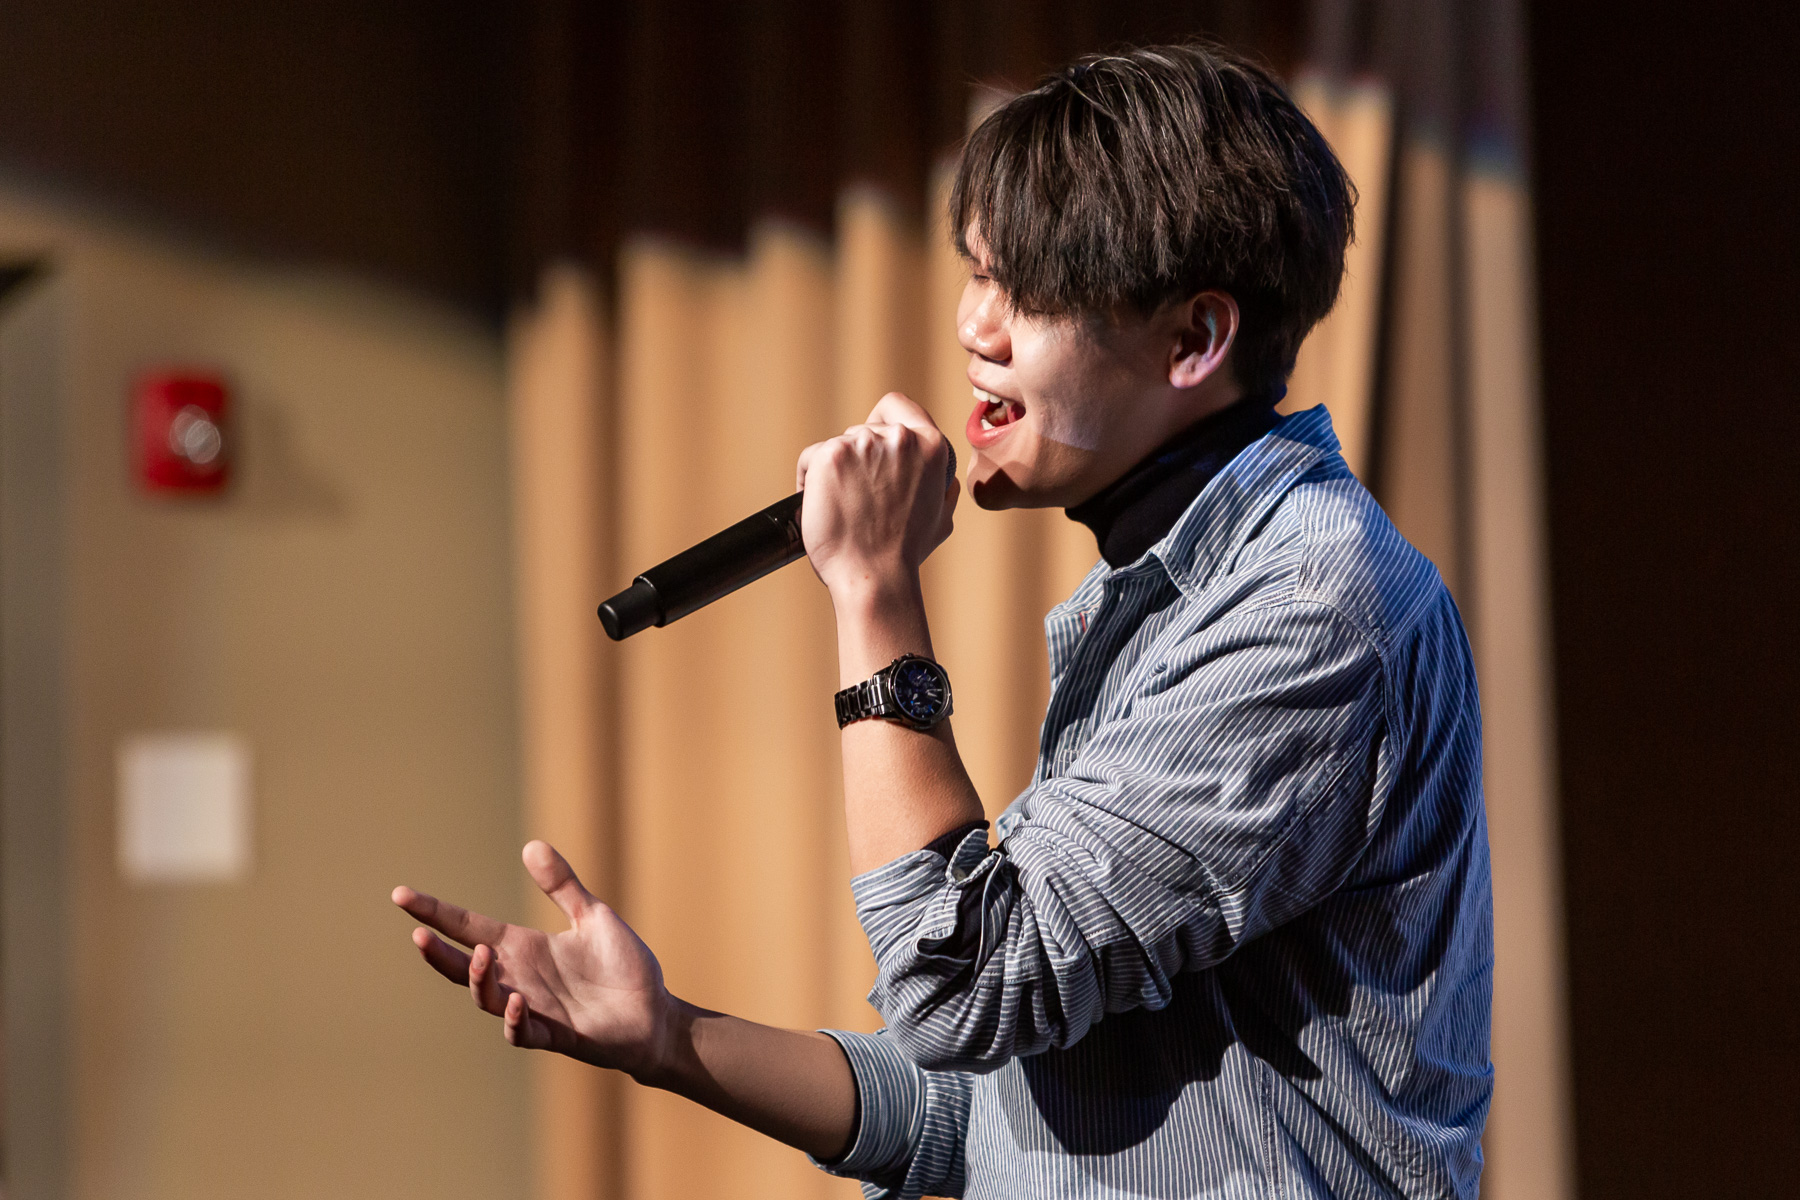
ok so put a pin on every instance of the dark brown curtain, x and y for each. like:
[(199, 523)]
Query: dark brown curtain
[(692, 120)]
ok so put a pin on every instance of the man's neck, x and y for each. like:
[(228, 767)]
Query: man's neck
[(1138, 509)]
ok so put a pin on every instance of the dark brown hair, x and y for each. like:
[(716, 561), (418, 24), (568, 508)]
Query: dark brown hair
[(1138, 178)]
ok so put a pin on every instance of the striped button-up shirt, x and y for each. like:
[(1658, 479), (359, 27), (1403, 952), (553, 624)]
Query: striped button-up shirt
[(1235, 939)]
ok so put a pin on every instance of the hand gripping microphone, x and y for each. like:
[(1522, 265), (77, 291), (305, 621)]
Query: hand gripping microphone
[(719, 566)]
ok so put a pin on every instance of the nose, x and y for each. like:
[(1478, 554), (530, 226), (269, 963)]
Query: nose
[(981, 323)]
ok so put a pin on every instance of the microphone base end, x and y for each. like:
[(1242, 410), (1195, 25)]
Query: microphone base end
[(633, 610)]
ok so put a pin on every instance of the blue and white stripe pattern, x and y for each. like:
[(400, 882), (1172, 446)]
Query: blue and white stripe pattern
[(1236, 937)]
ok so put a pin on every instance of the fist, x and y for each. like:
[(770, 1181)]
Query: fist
[(877, 502)]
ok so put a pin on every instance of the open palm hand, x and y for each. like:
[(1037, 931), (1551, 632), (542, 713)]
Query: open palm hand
[(593, 991)]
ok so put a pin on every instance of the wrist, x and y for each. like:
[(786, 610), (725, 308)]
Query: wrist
[(878, 620), (665, 1058), (871, 585)]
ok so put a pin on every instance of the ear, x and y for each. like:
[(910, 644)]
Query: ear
[(1205, 329)]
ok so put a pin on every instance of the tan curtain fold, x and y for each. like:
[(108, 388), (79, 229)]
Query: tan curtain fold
[(1532, 1124), (562, 532), (1336, 366), (1461, 475), (728, 765), (1421, 453)]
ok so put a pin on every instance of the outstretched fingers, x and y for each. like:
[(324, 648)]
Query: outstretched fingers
[(522, 1028), (443, 958), (551, 872), (530, 1030), (469, 928), (484, 981), (480, 969)]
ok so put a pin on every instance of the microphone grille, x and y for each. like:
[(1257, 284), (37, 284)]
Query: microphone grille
[(950, 467)]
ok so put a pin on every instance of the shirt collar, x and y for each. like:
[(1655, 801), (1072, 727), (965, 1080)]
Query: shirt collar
[(1232, 506), (1133, 513), (1229, 509)]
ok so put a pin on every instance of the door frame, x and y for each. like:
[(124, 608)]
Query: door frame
[(34, 901)]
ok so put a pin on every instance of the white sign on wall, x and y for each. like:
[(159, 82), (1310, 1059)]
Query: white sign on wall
[(184, 808)]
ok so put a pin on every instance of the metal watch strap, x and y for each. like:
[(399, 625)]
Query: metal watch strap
[(862, 701)]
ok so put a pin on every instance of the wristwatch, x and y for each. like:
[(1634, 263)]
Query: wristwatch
[(912, 690)]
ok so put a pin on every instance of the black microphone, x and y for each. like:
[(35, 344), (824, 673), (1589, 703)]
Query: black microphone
[(719, 566)]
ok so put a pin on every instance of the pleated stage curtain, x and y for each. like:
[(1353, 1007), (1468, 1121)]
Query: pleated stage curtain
[(732, 244), (1429, 366)]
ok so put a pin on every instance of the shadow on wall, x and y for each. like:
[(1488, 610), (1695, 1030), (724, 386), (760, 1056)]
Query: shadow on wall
[(275, 480), (12, 276)]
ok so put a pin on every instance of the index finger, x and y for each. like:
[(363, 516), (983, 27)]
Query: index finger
[(469, 928), (896, 408), (805, 461)]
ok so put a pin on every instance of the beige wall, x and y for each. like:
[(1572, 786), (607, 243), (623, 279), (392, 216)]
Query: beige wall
[(347, 611)]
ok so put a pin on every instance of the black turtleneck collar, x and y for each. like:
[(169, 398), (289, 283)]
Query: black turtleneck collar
[(1132, 514)]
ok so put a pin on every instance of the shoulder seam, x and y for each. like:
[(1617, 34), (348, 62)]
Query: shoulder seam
[(1403, 624)]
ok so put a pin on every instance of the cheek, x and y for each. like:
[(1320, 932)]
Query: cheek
[(1074, 425), (1059, 392)]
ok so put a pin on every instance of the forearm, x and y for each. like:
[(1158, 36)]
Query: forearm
[(902, 787), (794, 1086)]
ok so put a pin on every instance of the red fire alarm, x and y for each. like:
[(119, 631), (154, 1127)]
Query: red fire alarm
[(183, 428)]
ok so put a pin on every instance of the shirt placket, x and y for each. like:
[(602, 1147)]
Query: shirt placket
[(1097, 635)]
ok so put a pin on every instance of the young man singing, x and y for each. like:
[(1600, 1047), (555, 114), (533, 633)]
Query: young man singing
[(1235, 938)]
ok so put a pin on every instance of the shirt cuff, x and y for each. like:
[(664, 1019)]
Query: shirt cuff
[(890, 1101), (945, 844), (917, 894)]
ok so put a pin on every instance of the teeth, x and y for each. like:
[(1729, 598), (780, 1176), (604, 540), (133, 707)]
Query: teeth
[(1002, 410)]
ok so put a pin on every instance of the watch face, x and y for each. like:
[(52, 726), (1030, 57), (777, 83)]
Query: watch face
[(922, 690)]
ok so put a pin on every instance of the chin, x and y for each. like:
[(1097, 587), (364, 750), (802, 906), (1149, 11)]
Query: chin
[(995, 487), (1022, 469), (995, 493)]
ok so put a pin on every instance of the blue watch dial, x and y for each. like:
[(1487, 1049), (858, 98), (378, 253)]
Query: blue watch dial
[(921, 689)]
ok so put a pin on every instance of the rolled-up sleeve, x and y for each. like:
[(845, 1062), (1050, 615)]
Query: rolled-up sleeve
[(911, 1124), (1235, 787)]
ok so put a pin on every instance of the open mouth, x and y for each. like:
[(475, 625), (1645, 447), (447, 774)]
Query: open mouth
[(992, 417), (995, 412)]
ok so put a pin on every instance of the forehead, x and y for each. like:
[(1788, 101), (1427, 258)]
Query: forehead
[(1090, 326), (975, 244)]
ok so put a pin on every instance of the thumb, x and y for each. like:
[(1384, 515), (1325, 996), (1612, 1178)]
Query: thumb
[(552, 873)]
